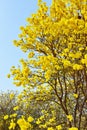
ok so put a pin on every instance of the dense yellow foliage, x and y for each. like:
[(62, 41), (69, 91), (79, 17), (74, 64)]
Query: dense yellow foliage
[(55, 40)]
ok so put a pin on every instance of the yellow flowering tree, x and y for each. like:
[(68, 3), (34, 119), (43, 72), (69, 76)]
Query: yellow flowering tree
[(55, 40)]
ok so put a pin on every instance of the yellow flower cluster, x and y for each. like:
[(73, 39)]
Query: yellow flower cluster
[(6, 117), (23, 124), (11, 95), (12, 125), (16, 108), (59, 127), (70, 118), (73, 128), (75, 95), (50, 128)]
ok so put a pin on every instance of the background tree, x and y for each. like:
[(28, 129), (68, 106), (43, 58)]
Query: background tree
[(8, 100), (55, 39)]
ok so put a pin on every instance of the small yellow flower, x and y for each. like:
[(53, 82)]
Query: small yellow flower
[(12, 125), (38, 121), (23, 124), (11, 95), (8, 76), (5, 117), (59, 127), (50, 128), (66, 63), (77, 67), (70, 118), (31, 54), (14, 115), (75, 95), (73, 128), (30, 119), (16, 108), (21, 28)]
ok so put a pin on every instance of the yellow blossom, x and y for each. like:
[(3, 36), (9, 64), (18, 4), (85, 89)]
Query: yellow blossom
[(6, 117), (16, 108), (70, 118), (12, 125), (77, 67), (75, 95), (23, 124), (30, 119), (59, 127), (13, 115), (11, 95), (38, 121), (31, 54), (66, 63), (8, 76), (50, 128), (73, 128)]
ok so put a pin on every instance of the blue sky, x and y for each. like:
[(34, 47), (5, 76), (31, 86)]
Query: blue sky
[(13, 14)]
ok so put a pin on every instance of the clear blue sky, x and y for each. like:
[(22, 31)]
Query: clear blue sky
[(13, 14)]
